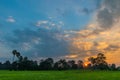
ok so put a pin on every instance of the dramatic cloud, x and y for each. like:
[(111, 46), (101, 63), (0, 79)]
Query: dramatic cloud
[(85, 43), (105, 18), (39, 43), (58, 29), (102, 35), (108, 13)]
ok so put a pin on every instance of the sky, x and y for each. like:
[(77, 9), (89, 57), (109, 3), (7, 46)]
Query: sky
[(71, 29)]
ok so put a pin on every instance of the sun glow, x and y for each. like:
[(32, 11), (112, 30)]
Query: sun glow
[(86, 64)]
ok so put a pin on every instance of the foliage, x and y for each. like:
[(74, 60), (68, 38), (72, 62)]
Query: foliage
[(23, 63), (99, 62)]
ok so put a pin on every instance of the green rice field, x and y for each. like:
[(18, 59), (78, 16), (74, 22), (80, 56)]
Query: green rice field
[(60, 75)]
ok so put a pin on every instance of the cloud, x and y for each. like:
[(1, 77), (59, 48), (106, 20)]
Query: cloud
[(10, 19), (101, 35), (39, 23), (86, 43), (49, 40), (38, 43), (108, 13), (49, 24), (105, 18)]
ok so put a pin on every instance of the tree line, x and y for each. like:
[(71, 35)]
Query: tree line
[(23, 63)]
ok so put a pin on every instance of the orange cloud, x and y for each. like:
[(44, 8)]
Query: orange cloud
[(88, 43)]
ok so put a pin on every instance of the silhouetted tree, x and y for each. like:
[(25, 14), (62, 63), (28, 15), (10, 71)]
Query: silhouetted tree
[(18, 55), (80, 64), (23, 63), (89, 66), (92, 60), (112, 67), (14, 65), (46, 64), (61, 65), (7, 65), (99, 62), (14, 53), (72, 64)]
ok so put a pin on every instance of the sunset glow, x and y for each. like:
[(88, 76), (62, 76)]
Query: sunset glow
[(85, 64), (60, 29)]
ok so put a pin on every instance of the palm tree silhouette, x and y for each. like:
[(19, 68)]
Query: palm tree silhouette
[(14, 52)]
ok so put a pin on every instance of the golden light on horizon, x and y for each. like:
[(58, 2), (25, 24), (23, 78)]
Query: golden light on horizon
[(71, 56), (89, 42), (85, 64)]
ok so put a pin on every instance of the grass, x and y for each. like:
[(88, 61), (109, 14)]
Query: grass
[(59, 75)]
